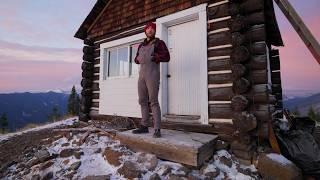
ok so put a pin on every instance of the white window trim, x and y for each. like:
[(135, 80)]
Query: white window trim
[(127, 41), (195, 13)]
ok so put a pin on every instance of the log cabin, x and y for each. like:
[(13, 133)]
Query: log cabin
[(223, 77)]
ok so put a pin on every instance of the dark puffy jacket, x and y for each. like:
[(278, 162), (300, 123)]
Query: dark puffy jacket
[(161, 52)]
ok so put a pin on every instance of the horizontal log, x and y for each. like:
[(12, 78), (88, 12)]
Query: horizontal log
[(95, 104), (96, 53), (87, 74), (84, 108), (219, 64), (88, 42), (239, 103), (95, 95), (242, 23), (86, 92), (96, 69), (255, 48), (276, 88), (240, 54), (254, 77), (240, 86), (85, 100), (257, 94), (274, 52), (86, 66), (238, 71), (96, 61), (88, 57), (218, 11), (244, 121), (254, 34), (86, 83), (218, 25), (95, 87), (88, 50), (276, 77), (246, 7), (96, 77), (224, 111), (275, 63), (257, 62)]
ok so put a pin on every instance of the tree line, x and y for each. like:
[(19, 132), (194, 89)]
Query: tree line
[(73, 109)]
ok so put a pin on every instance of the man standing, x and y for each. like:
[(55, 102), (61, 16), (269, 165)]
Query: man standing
[(150, 53)]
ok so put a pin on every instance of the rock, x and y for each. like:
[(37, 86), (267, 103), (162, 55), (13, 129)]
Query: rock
[(97, 150), (98, 177), (75, 165), (35, 177), (46, 165), (112, 156), (155, 176), (32, 162), (193, 177), (48, 176), (176, 177), (66, 161), (78, 154), (69, 152), (66, 152), (226, 161), (129, 170), (221, 145), (65, 144), (150, 161), (164, 170), (70, 174), (184, 170), (275, 166), (42, 155), (212, 174)]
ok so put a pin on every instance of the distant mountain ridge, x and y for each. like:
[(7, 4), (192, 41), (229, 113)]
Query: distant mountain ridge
[(30, 107), (303, 103)]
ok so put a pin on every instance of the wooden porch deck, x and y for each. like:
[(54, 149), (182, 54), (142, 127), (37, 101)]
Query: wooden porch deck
[(178, 146)]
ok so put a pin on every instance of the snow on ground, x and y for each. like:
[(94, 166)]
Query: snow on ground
[(93, 161), (68, 121), (279, 158)]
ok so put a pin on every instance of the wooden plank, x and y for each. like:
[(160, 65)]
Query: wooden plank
[(178, 146)]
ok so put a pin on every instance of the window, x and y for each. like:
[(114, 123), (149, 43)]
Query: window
[(119, 61)]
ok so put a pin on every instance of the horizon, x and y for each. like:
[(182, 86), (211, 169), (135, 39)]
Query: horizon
[(37, 43)]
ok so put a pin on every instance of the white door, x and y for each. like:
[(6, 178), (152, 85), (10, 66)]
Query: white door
[(184, 69)]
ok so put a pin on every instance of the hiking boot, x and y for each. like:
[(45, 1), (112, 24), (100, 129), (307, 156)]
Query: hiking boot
[(156, 133), (141, 129)]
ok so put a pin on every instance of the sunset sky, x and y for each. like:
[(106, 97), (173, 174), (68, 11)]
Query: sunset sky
[(38, 51)]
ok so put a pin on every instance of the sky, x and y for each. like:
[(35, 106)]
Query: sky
[(38, 51)]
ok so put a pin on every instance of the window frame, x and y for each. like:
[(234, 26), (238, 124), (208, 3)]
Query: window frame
[(106, 60)]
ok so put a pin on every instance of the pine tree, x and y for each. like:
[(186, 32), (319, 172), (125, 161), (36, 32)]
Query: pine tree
[(73, 102), (4, 122), (55, 115)]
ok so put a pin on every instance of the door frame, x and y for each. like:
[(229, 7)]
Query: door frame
[(195, 13)]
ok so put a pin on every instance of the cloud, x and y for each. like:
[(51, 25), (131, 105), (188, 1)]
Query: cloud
[(18, 52)]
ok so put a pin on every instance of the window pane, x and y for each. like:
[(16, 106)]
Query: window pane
[(113, 63), (134, 68), (123, 61)]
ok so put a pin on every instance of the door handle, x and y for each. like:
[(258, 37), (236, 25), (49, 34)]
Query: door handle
[(168, 75)]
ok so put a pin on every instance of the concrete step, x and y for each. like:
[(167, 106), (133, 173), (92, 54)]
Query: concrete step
[(178, 146)]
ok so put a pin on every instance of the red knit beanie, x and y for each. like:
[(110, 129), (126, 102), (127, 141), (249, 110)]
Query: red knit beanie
[(153, 25)]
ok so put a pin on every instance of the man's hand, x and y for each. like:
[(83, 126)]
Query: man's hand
[(155, 58)]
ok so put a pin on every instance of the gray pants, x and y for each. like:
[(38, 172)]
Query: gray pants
[(148, 86)]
